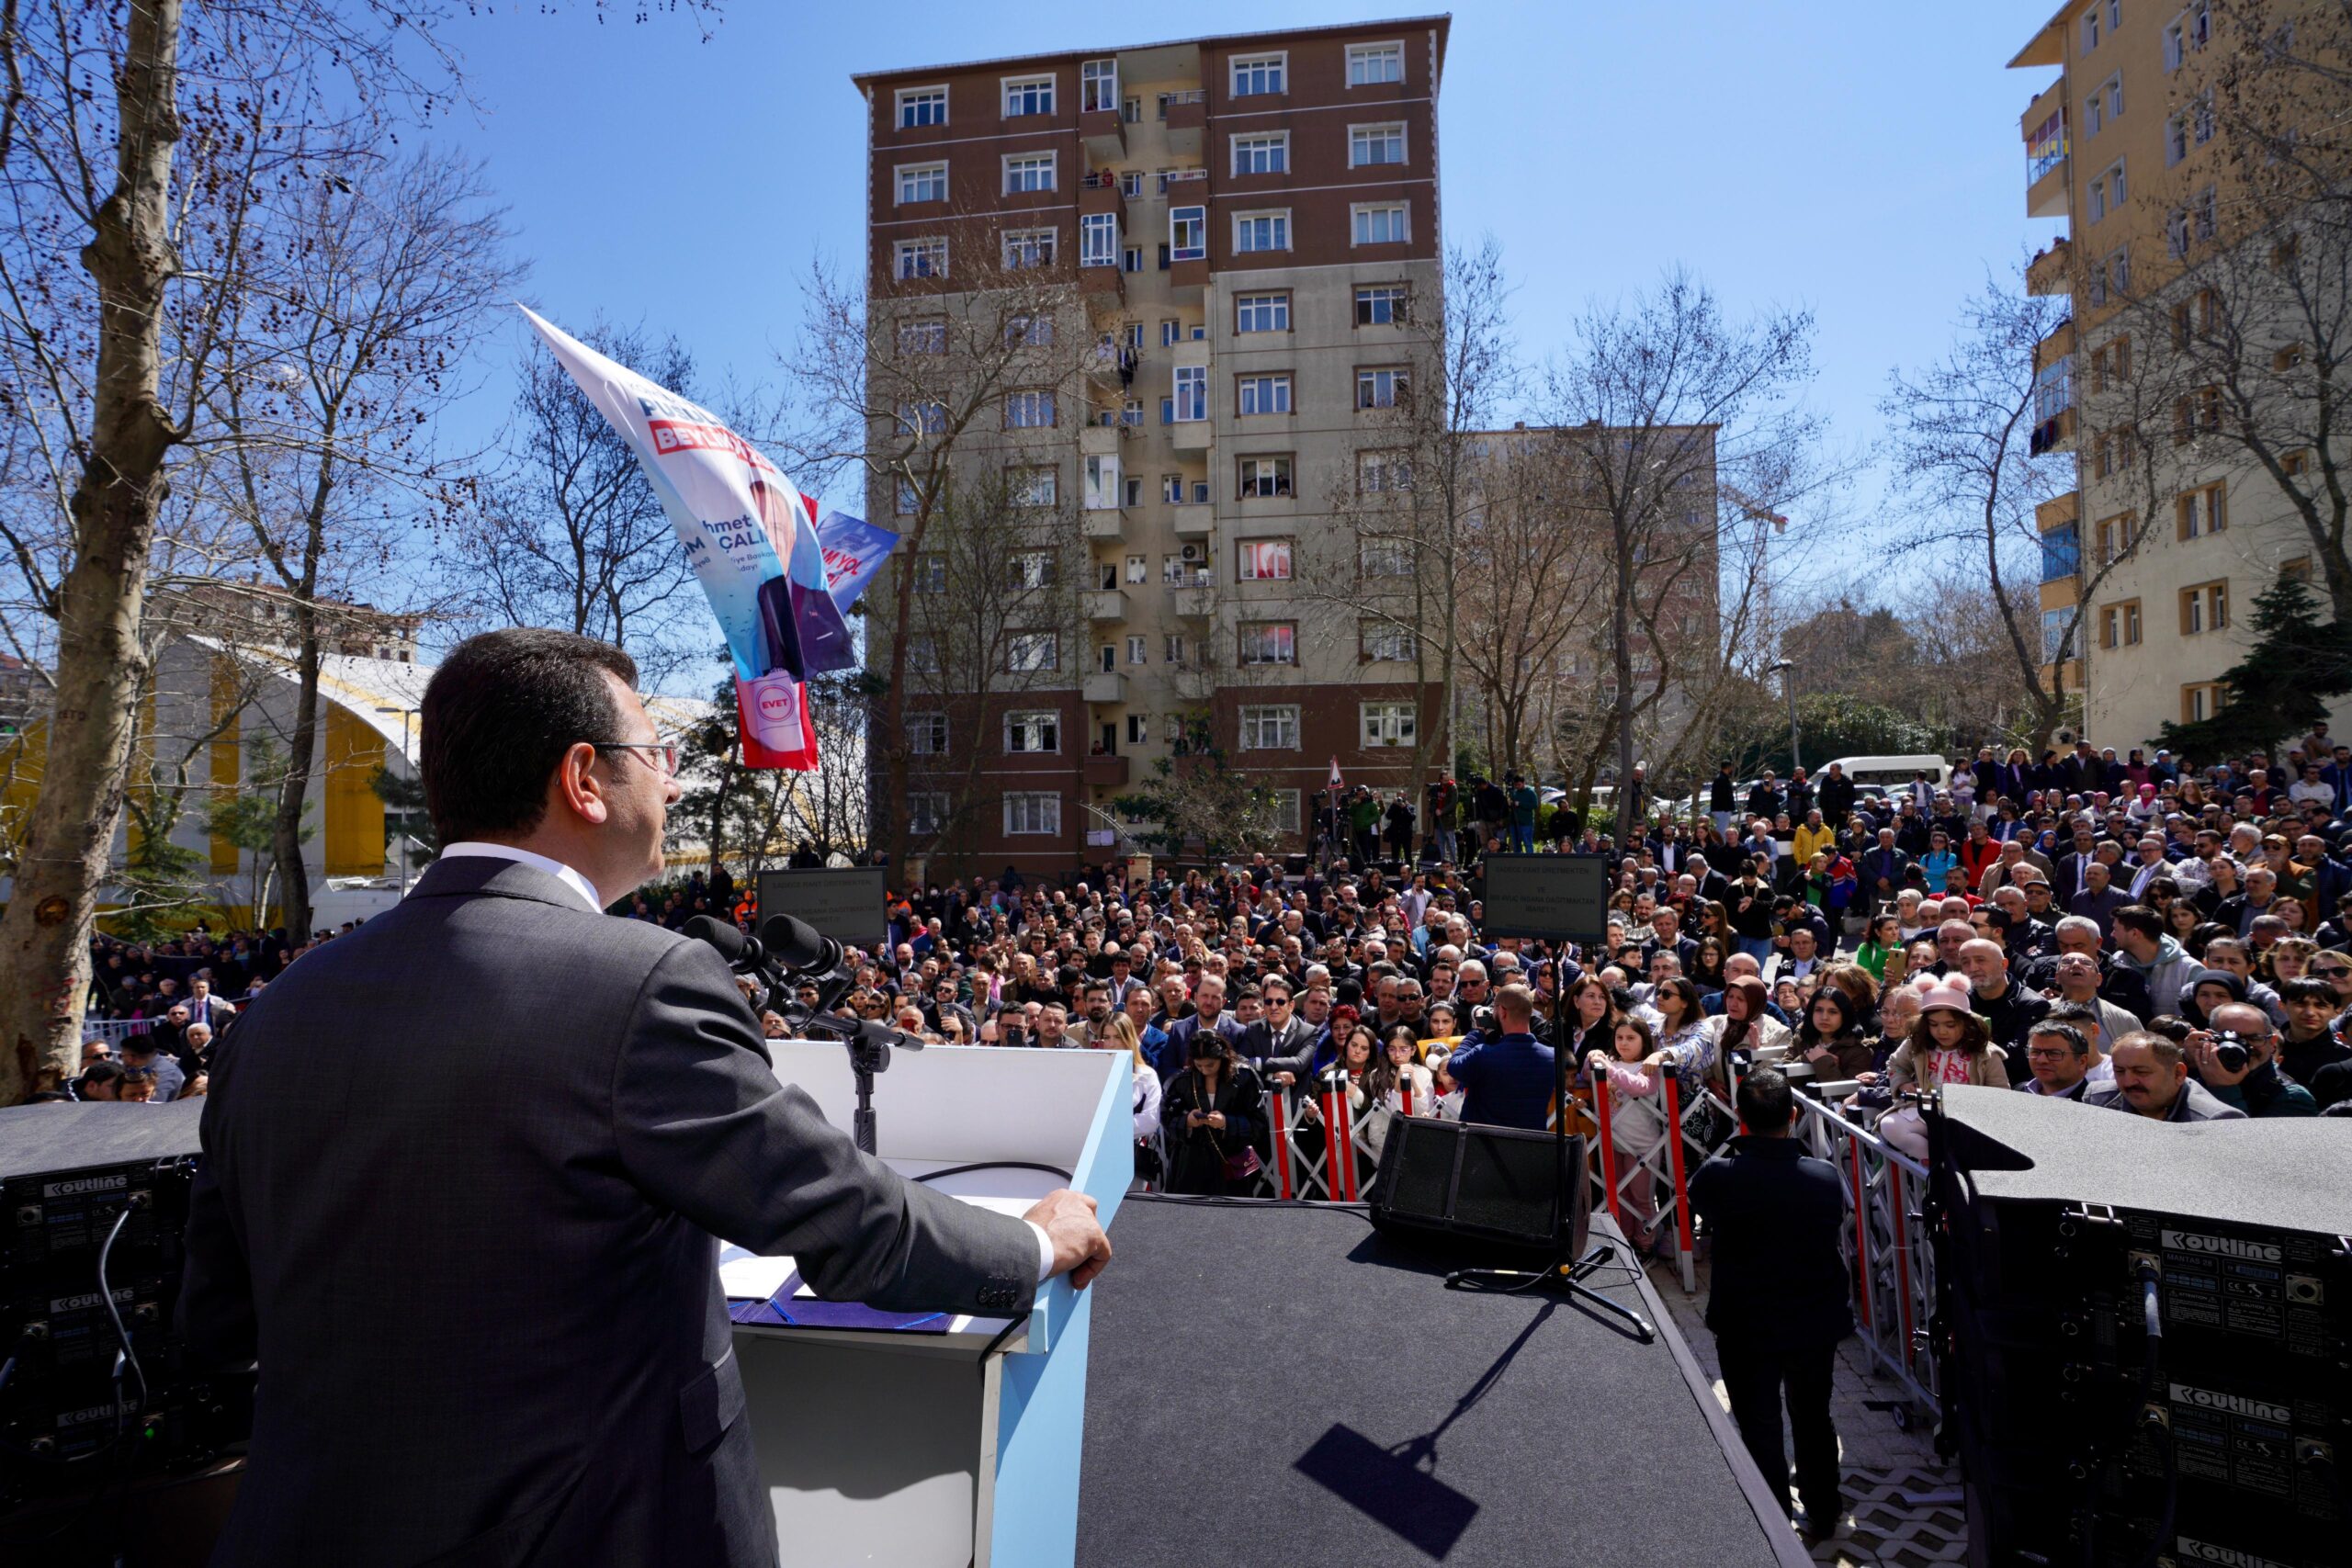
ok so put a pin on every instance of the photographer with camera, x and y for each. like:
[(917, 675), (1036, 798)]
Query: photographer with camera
[(2151, 1080), (2237, 1061)]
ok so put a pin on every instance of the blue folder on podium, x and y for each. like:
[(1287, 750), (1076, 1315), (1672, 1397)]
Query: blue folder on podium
[(920, 1438)]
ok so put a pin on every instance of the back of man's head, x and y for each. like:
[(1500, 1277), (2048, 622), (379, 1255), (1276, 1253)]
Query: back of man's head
[(1515, 1008), (499, 715), (1766, 1102)]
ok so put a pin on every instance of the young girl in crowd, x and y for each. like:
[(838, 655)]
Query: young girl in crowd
[(1628, 1075)]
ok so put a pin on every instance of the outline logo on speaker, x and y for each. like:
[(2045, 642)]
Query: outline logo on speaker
[(2204, 1552), (2223, 1247), (2231, 1403)]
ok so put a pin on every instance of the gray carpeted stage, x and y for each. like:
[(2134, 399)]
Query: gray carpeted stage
[(1279, 1385)]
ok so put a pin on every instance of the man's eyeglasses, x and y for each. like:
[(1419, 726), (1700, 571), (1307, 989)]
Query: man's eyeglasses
[(666, 749)]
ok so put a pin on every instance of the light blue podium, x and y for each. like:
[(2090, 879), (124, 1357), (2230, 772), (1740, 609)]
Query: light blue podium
[(909, 1440)]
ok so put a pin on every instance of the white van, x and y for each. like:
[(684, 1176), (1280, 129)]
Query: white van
[(1891, 774)]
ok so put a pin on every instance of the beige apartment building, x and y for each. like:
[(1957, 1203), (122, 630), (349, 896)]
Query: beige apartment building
[(2173, 526), (1245, 226)]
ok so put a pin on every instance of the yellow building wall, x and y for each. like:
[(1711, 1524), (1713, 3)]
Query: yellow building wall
[(226, 756), (355, 815)]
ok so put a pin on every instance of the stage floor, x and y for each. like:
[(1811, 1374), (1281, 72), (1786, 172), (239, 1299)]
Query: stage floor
[(1279, 1385)]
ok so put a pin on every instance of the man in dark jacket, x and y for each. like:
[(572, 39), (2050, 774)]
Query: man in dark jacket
[(1508, 1082), (1834, 796), (1777, 1299)]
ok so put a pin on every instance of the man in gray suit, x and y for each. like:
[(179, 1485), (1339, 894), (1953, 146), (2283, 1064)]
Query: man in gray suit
[(464, 1166)]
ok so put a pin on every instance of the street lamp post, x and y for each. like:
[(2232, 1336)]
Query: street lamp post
[(406, 841), (1788, 673)]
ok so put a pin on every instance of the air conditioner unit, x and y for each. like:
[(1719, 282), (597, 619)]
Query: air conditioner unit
[(1195, 554)]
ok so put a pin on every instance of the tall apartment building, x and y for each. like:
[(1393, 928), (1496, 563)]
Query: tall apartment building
[(1245, 225), (2172, 525)]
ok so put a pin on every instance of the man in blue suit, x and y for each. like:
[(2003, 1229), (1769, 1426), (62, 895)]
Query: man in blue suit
[(1507, 1081)]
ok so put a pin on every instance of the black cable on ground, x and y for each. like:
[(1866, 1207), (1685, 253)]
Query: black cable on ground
[(993, 1165)]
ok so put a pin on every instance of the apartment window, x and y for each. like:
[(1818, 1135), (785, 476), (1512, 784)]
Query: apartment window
[(1380, 305), (1028, 172), (924, 419), (1028, 732), (1028, 95), (1284, 810), (2093, 115), (2091, 27), (2119, 270), (1027, 571), (1033, 486), (2296, 569), (1099, 482), (1387, 724), (2199, 702), (1377, 472), (925, 257), (1381, 223), (1170, 333), (1261, 153), (1261, 560), (1261, 313), (1029, 410), (1383, 642), (1270, 728), (926, 334), (1385, 558), (1030, 811), (1139, 570), (2200, 413), (1188, 233), (2096, 201), (1171, 488), (926, 813), (2202, 510), (1172, 649), (920, 107), (2115, 97), (2201, 119), (1136, 649), (905, 499), (1267, 642), (1382, 387), (1260, 231), (2118, 536), (2062, 552), (1098, 87), (2114, 14), (927, 734), (2174, 38), (1262, 477), (1192, 398), (1026, 248), (1098, 239), (930, 571), (1031, 652), (1371, 64), (2176, 233), (1258, 74), (2176, 139), (1264, 394), (2204, 608), (921, 182), (2115, 186), (1369, 145), (2118, 625), (2057, 636), (2207, 215)]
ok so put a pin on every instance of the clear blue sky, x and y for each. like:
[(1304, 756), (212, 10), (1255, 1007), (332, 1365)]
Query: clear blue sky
[(1860, 160)]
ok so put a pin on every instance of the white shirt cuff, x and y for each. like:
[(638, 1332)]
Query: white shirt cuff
[(1045, 1251)]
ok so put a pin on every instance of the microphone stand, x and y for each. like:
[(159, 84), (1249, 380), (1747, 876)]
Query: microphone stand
[(1559, 1269), (869, 1041)]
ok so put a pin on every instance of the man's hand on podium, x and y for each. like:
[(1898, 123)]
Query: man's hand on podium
[(1081, 1249)]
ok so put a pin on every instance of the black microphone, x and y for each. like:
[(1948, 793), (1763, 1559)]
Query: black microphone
[(797, 946), (741, 952)]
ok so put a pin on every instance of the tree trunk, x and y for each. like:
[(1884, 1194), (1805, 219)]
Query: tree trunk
[(1621, 636), (45, 933), (285, 840)]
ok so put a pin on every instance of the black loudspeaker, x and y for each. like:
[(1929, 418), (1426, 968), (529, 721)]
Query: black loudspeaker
[(1498, 1185), (2063, 1234)]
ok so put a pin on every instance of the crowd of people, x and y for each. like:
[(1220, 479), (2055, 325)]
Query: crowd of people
[(2126, 931)]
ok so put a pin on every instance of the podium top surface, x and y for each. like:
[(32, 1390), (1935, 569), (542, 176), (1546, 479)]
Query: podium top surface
[(996, 1108)]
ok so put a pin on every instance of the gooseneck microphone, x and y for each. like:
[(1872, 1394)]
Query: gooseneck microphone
[(796, 945), (744, 953)]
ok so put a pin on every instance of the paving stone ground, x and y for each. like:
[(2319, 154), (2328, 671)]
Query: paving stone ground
[(1886, 1468)]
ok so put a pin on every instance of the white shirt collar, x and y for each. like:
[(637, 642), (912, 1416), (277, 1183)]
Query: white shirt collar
[(553, 867)]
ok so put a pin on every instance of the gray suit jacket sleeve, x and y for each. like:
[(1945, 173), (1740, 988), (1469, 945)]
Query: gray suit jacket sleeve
[(704, 1126)]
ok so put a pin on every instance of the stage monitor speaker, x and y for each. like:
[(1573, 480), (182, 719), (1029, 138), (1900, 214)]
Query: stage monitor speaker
[(2061, 1234), (1490, 1184)]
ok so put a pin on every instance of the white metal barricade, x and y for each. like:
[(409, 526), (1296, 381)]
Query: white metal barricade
[(1888, 1257)]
